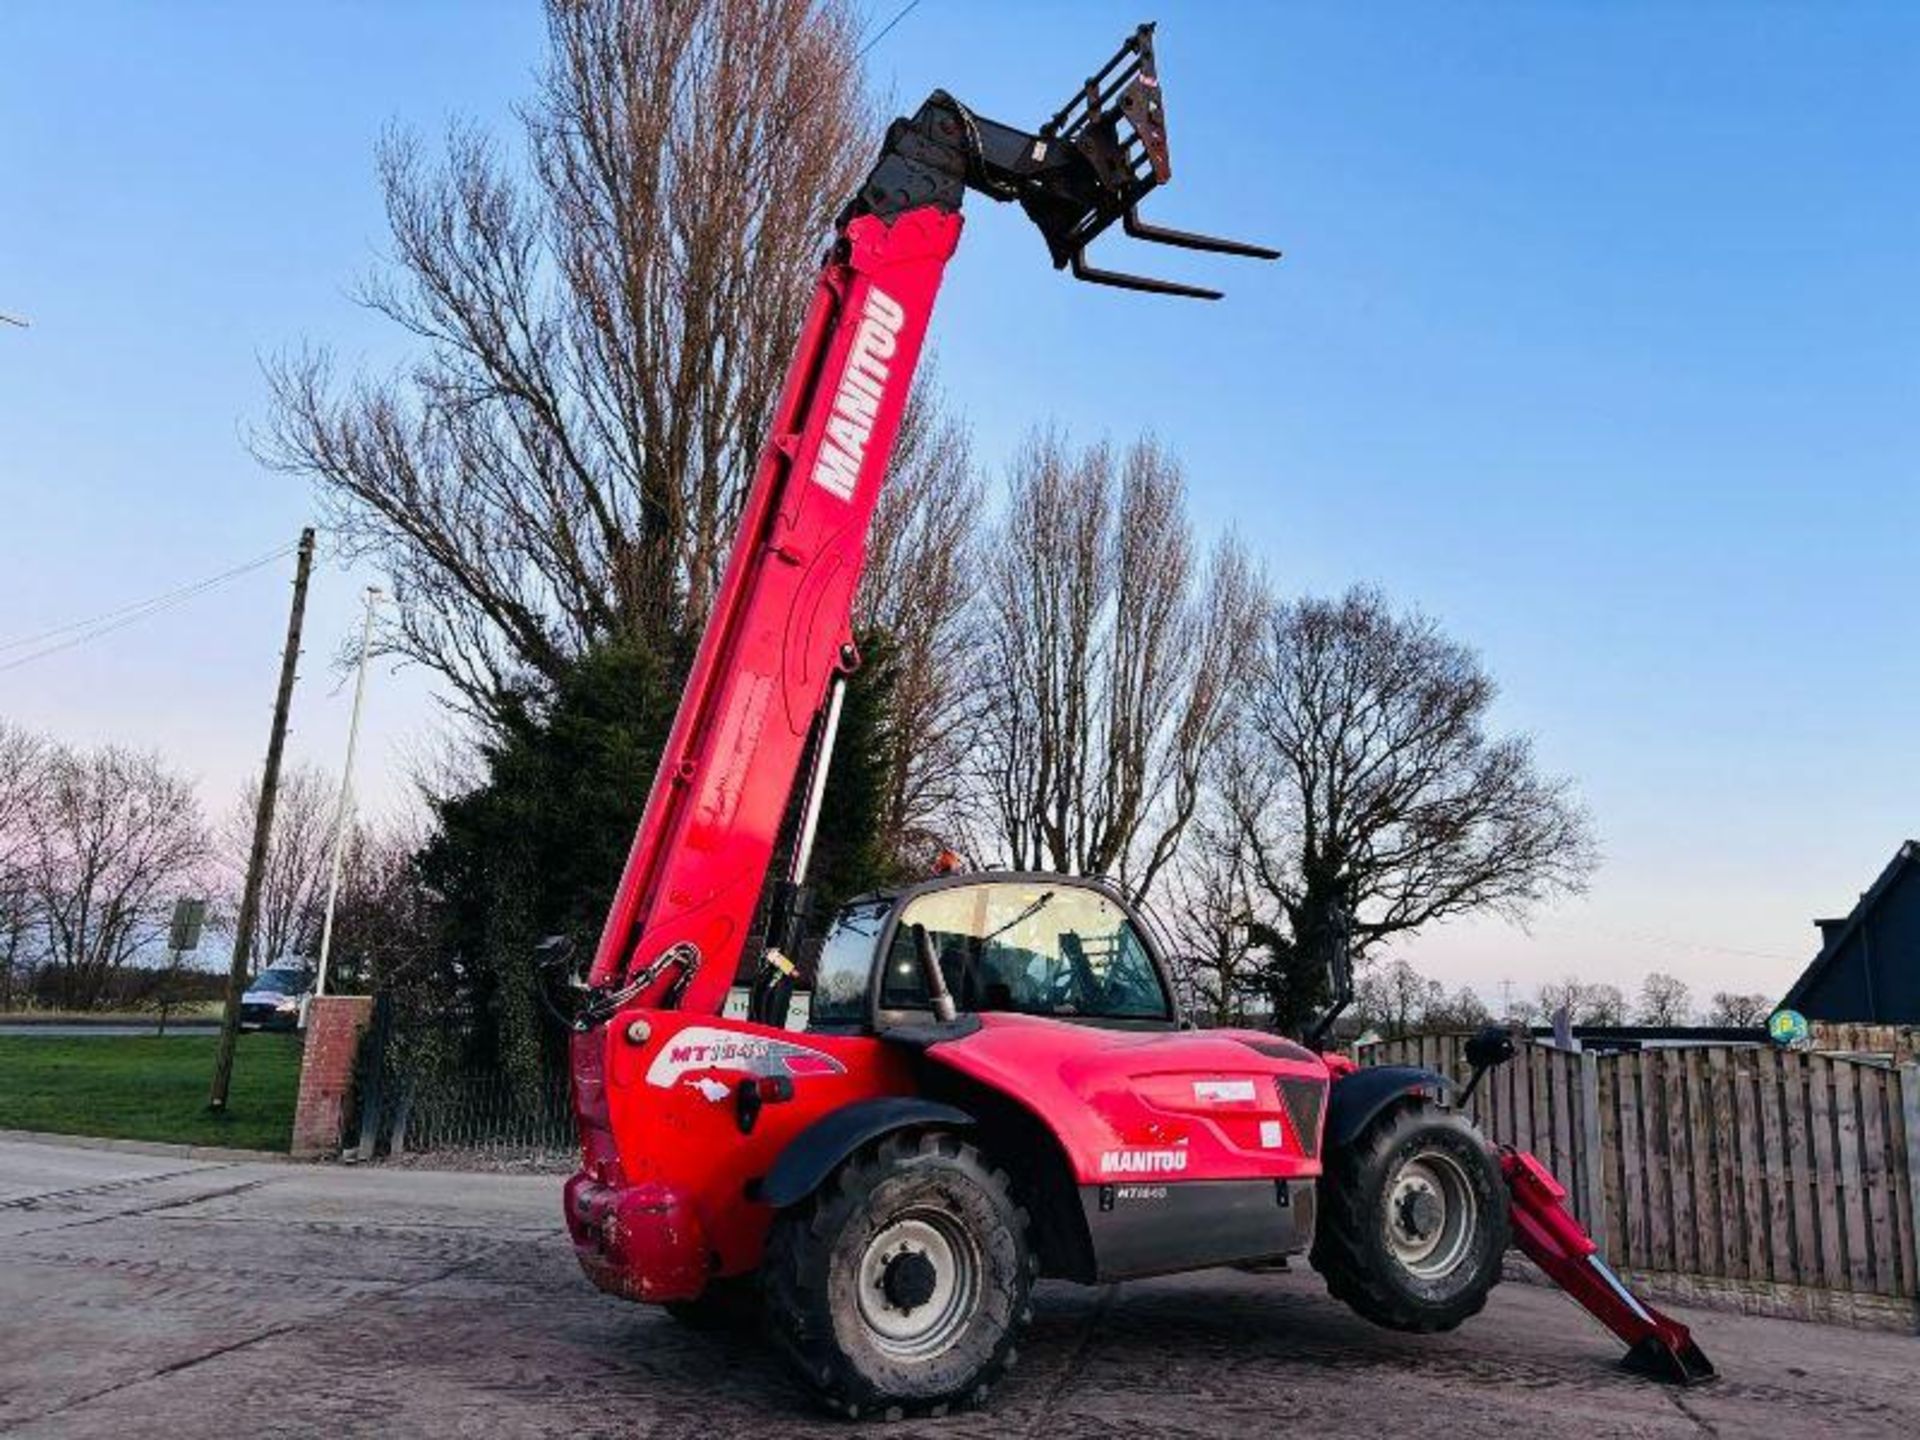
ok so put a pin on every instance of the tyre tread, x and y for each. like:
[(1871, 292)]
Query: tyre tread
[(799, 1313), (1340, 1245)]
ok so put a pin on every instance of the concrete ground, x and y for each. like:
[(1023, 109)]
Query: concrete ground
[(82, 1029), (156, 1295)]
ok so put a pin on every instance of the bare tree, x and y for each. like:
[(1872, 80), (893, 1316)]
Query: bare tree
[(1395, 999), (1665, 1000), (1603, 1005), (1731, 1008), (293, 884), (1369, 785), (1461, 1010), (383, 921), (602, 334), (1217, 939), (118, 839), (1585, 1004), (23, 773), (1106, 670), (923, 556)]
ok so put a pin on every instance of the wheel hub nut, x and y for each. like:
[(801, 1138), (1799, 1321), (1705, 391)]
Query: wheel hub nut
[(908, 1281), (1419, 1212)]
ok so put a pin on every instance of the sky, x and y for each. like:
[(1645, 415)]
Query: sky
[(1596, 338)]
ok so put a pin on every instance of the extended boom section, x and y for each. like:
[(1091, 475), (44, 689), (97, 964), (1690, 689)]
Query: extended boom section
[(781, 621), (780, 628)]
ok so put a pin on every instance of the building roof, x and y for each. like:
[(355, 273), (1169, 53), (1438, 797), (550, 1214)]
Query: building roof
[(1834, 934)]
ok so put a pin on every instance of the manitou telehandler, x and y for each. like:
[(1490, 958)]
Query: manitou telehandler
[(995, 1083)]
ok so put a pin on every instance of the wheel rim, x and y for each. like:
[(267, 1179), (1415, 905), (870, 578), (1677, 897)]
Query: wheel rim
[(1431, 1215), (919, 1283)]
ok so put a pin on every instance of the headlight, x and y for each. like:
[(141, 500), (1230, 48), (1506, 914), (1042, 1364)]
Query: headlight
[(286, 1002)]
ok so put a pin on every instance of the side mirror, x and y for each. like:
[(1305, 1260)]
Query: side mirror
[(1491, 1048), (1488, 1050)]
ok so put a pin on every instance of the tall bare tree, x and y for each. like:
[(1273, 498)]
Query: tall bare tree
[(1730, 1007), (1106, 670), (119, 838), (1397, 1000), (1217, 937), (1665, 1000), (923, 557), (293, 881), (24, 762), (602, 330), (383, 922), (1369, 784), (1585, 1003)]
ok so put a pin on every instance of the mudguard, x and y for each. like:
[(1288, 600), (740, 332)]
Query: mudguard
[(1353, 1102), (813, 1154)]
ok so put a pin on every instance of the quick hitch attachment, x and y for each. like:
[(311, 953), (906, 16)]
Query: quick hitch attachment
[(1086, 168)]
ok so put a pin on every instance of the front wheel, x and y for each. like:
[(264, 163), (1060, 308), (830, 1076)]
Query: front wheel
[(1413, 1221), (901, 1286)]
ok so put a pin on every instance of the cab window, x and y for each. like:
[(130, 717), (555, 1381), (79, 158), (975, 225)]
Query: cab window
[(846, 962), (1030, 947)]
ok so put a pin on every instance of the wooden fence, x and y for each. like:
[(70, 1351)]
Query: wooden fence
[(1781, 1182)]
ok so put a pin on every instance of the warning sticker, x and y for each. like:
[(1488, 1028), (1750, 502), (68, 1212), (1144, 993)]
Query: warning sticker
[(1223, 1092)]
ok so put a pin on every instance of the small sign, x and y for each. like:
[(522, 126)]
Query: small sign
[(188, 917), (1789, 1030)]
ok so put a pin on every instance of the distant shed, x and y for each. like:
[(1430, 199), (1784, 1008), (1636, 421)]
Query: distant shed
[(1868, 968)]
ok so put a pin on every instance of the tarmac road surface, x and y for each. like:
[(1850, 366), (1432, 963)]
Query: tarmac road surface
[(153, 1295), (87, 1029)]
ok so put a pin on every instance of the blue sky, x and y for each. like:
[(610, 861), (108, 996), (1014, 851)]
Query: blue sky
[(1597, 338)]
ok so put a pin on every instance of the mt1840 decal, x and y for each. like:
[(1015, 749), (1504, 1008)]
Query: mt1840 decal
[(707, 1047)]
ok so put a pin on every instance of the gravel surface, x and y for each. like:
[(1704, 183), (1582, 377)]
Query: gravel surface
[(153, 1295)]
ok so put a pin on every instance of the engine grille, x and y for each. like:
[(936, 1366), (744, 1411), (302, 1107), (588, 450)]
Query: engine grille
[(1303, 1099)]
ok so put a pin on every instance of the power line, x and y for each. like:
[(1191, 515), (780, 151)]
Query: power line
[(80, 632), (881, 34), (1669, 941)]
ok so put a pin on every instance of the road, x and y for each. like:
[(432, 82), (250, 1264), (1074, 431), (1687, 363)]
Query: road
[(145, 1295), (82, 1029)]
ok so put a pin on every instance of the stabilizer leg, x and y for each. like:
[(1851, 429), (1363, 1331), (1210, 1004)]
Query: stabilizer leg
[(1658, 1346)]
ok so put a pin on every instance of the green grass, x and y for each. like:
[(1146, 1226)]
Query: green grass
[(140, 1087), (196, 1010)]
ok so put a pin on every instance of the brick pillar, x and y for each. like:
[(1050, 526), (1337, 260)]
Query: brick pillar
[(334, 1023)]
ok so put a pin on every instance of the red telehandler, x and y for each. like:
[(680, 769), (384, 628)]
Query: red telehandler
[(996, 1082)]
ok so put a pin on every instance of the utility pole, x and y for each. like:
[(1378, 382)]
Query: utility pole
[(344, 813), (262, 830)]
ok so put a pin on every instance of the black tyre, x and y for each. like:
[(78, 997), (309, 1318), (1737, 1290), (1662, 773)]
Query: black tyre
[(901, 1287), (1413, 1221), (732, 1304)]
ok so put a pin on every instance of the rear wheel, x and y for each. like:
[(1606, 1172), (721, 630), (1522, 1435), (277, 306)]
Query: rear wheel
[(1413, 1221), (901, 1286)]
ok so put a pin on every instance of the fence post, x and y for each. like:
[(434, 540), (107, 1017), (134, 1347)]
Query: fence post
[(1910, 1112), (1593, 1155)]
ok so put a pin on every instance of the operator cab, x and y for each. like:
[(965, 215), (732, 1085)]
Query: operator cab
[(1030, 944)]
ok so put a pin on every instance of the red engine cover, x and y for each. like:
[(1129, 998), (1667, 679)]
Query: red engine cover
[(1191, 1105)]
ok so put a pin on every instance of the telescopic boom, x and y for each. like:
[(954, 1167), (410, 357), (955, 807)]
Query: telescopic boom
[(780, 630)]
